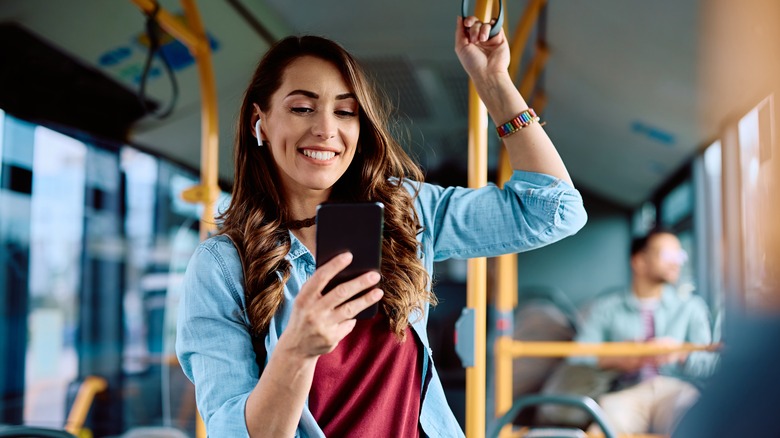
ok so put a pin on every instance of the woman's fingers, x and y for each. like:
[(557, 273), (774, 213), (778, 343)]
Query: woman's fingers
[(320, 321), (345, 291), (325, 273), (470, 21), (340, 299), (475, 30), (484, 32), (351, 309)]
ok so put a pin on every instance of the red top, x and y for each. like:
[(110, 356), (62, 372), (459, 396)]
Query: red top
[(369, 385)]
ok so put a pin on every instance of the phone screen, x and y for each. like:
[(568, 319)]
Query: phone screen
[(353, 227)]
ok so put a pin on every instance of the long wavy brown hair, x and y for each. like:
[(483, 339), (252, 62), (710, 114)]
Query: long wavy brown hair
[(258, 211)]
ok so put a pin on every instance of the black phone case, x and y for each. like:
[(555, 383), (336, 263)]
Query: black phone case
[(354, 227)]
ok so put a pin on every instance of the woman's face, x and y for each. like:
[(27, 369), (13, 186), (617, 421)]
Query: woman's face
[(312, 127)]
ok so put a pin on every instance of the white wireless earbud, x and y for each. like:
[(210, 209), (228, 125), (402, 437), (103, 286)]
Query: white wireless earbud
[(257, 133)]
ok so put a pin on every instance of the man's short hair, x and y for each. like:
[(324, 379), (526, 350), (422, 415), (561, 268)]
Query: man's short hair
[(639, 244)]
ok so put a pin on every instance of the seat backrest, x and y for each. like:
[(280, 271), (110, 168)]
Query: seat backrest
[(537, 320), (154, 432)]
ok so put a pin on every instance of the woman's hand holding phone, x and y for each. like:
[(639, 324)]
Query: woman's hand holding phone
[(318, 322)]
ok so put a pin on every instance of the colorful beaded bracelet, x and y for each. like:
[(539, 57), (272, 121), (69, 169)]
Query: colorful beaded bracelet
[(524, 119)]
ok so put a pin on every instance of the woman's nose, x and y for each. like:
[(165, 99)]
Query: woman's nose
[(324, 127)]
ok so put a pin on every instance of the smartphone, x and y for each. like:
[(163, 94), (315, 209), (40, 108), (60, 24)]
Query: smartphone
[(354, 227)]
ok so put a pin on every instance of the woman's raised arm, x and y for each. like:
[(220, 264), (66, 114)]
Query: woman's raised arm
[(487, 61)]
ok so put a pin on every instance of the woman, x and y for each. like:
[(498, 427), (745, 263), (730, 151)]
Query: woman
[(312, 130)]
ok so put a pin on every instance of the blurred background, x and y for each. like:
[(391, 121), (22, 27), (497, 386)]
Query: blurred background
[(664, 113)]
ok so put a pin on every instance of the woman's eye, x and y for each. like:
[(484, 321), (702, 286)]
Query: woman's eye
[(344, 113), (301, 110)]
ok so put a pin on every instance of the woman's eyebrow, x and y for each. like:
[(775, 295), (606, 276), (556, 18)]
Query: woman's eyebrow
[(314, 95), (306, 93)]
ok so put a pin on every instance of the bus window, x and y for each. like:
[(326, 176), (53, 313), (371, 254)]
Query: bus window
[(709, 230), (56, 239), (758, 176)]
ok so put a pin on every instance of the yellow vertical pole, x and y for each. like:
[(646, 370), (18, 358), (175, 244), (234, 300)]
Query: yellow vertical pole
[(523, 30), (505, 302), (193, 35), (200, 428), (534, 70), (209, 132), (209, 151), (506, 267), (476, 284)]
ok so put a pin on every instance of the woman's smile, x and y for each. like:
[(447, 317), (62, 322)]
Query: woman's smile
[(319, 156)]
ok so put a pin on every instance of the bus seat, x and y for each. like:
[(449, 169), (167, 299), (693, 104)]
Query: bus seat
[(540, 316), (537, 320), (586, 404), (154, 432)]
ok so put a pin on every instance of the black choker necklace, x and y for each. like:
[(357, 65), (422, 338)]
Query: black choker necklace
[(303, 223)]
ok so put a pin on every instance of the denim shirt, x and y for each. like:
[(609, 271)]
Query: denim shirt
[(213, 341), (617, 317)]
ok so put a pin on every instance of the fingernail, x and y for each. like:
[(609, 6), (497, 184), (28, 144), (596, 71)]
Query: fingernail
[(373, 276), (346, 256), (378, 294)]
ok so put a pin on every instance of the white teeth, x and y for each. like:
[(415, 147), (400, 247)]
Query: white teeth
[(319, 155)]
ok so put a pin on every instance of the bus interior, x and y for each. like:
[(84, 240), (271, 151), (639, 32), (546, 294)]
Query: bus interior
[(662, 111)]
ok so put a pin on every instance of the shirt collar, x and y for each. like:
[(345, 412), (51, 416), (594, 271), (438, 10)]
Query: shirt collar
[(297, 249), (667, 299)]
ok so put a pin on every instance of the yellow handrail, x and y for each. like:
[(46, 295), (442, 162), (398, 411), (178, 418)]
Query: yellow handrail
[(209, 156), (534, 70), (518, 42), (567, 349), (91, 386), (506, 349), (193, 35), (506, 265), (523, 431), (476, 282)]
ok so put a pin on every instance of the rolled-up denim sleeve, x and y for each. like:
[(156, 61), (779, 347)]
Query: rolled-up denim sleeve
[(213, 343), (531, 210)]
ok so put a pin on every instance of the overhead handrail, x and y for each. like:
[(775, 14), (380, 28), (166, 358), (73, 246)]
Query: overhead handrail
[(476, 280), (506, 265), (89, 388), (193, 35), (498, 22)]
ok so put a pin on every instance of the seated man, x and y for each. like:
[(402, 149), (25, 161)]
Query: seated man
[(652, 391)]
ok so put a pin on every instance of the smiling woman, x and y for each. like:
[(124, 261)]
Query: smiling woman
[(312, 133), (680, 132), (269, 354)]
